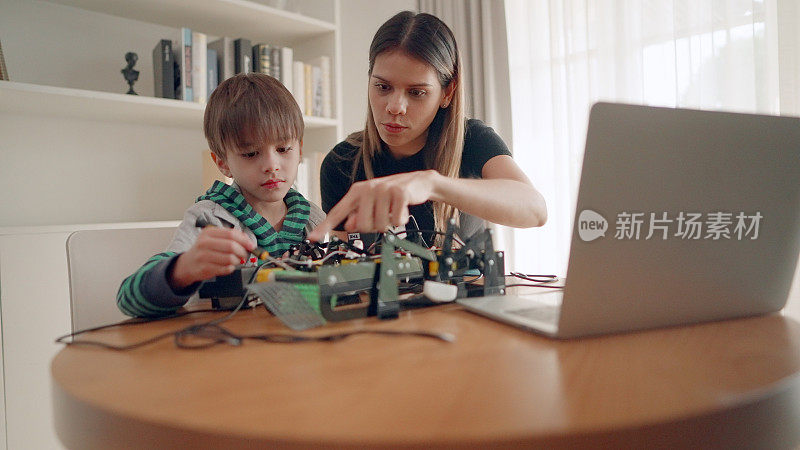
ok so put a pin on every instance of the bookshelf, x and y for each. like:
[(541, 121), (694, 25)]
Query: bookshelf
[(32, 99), (78, 151), (70, 78), (254, 20)]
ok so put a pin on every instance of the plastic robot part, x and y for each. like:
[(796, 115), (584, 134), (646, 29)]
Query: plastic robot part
[(439, 292)]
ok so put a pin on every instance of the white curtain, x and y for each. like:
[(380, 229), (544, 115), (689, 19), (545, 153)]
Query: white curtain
[(564, 55)]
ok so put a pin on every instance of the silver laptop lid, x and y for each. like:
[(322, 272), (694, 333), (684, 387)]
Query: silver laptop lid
[(682, 216)]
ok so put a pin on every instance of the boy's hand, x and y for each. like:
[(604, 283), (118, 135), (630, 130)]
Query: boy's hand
[(217, 252)]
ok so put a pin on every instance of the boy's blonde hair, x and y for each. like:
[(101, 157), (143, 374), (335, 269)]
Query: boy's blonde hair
[(251, 108)]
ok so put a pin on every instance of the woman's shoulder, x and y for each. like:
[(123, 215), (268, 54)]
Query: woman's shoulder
[(479, 137), (481, 143), (476, 128)]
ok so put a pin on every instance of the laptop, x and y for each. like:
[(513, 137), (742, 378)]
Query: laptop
[(683, 216)]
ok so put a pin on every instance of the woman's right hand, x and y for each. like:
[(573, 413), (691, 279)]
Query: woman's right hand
[(374, 205), (216, 252)]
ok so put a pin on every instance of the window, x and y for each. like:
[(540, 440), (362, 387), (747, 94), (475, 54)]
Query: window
[(566, 55)]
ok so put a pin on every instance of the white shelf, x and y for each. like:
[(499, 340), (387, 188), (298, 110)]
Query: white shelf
[(215, 17), (25, 98), (34, 99)]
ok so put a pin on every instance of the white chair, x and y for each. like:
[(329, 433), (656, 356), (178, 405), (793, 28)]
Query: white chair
[(99, 260)]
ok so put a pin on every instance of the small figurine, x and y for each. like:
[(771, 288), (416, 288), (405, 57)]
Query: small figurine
[(130, 75)]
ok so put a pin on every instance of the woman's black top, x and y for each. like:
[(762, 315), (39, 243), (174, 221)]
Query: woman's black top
[(481, 144)]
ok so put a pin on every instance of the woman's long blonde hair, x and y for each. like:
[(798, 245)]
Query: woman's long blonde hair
[(427, 38)]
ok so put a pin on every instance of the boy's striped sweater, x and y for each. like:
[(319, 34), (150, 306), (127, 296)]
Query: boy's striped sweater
[(146, 293)]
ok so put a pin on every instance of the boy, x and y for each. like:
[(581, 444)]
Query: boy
[(255, 131)]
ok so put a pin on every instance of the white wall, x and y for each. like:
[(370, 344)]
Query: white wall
[(360, 19)]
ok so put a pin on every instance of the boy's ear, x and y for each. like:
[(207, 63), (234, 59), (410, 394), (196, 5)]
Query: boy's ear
[(301, 148), (221, 165)]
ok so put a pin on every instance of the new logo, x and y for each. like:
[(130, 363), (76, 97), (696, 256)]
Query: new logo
[(591, 225)]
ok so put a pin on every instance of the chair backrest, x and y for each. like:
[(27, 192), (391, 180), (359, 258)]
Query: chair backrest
[(98, 261)]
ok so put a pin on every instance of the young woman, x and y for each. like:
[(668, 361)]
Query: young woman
[(418, 155)]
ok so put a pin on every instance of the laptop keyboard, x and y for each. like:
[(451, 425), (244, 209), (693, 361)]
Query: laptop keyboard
[(542, 313)]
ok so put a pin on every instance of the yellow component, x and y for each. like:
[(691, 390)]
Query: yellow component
[(349, 261), (263, 274), (433, 268)]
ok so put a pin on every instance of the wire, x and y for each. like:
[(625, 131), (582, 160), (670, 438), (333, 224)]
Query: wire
[(308, 262), (289, 338), (539, 280), (62, 339), (472, 281), (276, 261), (455, 238), (211, 334), (534, 278), (196, 329)]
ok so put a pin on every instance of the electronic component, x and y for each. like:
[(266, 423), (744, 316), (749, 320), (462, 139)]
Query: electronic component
[(289, 303), (339, 281)]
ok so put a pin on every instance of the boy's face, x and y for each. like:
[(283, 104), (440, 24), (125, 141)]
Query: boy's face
[(264, 172)]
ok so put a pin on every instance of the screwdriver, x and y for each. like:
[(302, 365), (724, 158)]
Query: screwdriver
[(258, 252)]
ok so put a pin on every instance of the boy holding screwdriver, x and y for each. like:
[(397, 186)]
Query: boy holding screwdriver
[(255, 131)]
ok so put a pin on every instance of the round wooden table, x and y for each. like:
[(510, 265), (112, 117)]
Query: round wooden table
[(725, 384)]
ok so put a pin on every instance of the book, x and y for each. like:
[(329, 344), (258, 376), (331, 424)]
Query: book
[(299, 84), (316, 91), (176, 76), (225, 64), (3, 70), (307, 95), (184, 57), (324, 84), (275, 62), (242, 56), (286, 64), (212, 74), (163, 68), (199, 67), (262, 60)]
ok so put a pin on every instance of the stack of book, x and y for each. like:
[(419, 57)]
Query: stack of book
[(189, 68)]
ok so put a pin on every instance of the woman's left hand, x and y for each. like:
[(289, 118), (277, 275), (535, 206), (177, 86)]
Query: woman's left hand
[(374, 205)]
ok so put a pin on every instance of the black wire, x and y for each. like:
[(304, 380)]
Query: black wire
[(216, 334), (60, 340), (290, 338), (380, 237), (534, 278), (191, 330), (455, 238)]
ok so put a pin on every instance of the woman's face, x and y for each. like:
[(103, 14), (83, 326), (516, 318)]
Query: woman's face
[(404, 96)]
